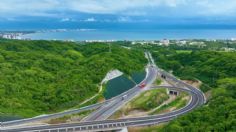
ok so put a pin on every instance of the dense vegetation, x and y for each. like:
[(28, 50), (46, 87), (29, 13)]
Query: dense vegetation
[(218, 115), (46, 76), (207, 66), (217, 72)]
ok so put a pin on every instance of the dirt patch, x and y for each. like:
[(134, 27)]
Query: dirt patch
[(132, 113), (58, 120), (186, 98), (164, 111), (73, 118), (101, 100), (76, 118), (208, 95), (172, 108), (136, 113)]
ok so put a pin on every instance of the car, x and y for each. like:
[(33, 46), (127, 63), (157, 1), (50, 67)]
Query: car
[(142, 85), (123, 97)]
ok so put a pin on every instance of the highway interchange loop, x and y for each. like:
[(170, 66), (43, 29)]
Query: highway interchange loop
[(100, 124)]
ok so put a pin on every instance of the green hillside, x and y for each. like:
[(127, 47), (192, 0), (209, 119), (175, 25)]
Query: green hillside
[(217, 72), (39, 77)]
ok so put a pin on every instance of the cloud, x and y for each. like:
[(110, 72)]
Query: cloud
[(28, 7), (119, 6), (62, 8), (217, 7)]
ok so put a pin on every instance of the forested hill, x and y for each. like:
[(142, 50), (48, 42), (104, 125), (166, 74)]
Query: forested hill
[(216, 70), (46, 76)]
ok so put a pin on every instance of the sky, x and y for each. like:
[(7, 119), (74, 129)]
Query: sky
[(93, 13)]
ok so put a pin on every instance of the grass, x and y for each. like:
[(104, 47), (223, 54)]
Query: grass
[(149, 99), (117, 114), (144, 102), (158, 81), (64, 119), (178, 103)]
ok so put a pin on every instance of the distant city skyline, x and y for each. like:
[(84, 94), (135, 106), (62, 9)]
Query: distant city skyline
[(93, 13)]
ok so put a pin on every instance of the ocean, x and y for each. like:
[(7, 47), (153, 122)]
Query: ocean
[(102, 34)]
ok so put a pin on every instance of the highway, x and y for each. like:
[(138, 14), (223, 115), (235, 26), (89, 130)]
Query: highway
[(96, 122), (120, 123), (107, 110)]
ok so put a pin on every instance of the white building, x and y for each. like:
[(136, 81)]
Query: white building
[(183, 42), (105, 41), (233, 39), (11, 35), (165, 42)]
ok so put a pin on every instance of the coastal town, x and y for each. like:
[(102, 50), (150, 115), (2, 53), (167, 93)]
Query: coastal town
[(11, 36), (17, 35), (200, 43)]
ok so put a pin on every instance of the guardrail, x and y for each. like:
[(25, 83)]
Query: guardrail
[(117, 124), (197, 99)]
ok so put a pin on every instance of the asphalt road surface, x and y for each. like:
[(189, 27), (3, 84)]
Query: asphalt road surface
[(196, 100), (96, 122), (108, 109)]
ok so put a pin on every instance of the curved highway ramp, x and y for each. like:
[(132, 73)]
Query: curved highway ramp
[(96, 121)]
